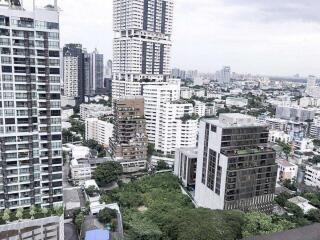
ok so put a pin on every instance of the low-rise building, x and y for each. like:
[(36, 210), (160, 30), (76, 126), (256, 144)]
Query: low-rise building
[(237, 102), (312, 175), (80, 172), (286, 170), (279, 136), (302, 203), (41, 229), (276, 124), (94, 111), (98, 130), (185, 165), (200, 108), (78, 152), (186, 92)]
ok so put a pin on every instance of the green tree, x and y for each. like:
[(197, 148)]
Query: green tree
[(282, 199), (91, 191), (151, 149), (107, 173), (292, 185), (286, 148), (6, 215), (313, 215), (19, 213), (106, 215), (315, 159), (162, 165), (261, 224), (79, 220)]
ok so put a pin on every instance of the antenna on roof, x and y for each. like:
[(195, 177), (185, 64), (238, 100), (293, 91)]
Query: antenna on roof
[(56, 4), (34, 5)]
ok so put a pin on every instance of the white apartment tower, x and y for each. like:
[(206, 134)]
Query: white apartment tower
[(142, 44), (170, 121), (30, 113), (71, 76)]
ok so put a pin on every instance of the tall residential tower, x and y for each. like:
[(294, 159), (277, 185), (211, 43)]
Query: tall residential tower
[(30, 114), (142, 44)]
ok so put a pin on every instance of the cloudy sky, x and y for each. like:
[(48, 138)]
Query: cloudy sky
[(274, 37)]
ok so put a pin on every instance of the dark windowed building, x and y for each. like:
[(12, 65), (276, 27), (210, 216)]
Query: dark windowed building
[(235, 167)]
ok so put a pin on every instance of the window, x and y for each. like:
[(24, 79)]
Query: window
[(6, 69)]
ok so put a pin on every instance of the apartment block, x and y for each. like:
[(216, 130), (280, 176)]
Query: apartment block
[(30, 120), (129, 142), (98, 130), (235, 167), (170, 121), (142, 44), (185, 165)]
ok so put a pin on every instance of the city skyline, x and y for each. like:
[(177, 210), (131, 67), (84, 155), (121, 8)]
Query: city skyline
[(256, 37)]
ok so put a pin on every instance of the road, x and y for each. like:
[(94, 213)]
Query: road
[(70, 232)]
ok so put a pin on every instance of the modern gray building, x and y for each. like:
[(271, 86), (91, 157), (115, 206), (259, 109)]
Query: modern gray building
[(295, 113), (235, 167), (94, 73)]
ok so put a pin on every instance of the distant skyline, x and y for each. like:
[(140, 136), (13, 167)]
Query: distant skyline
[(252, 36)]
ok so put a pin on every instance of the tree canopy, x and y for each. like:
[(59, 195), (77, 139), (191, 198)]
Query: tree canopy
[(107, 173)]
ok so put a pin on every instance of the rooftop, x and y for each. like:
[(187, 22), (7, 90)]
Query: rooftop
[(232, 120), (189, 152)]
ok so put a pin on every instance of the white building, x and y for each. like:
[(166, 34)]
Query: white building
[(304, 145), (43, 228), (227, 176), (94, 111), (286, 170), (312, 176), (66, 114), (80, 172), (313, 89), (98, 130), (295, 113), (79, 152), (186, 92), (30, 129), (199, 92), (200, 108), (164, 112), (142, 44), (237, 102), (279, 136), (71, 77), (315, 128), (302, 203), (224, 75), (276, 124), (185, 165)]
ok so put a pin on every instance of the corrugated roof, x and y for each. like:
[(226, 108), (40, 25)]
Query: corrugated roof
[(97, 235)]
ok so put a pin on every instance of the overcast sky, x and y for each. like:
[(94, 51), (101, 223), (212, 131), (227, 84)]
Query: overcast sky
[(274, 37)]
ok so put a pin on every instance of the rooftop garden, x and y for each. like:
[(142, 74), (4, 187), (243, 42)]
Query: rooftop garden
[(10, 216)]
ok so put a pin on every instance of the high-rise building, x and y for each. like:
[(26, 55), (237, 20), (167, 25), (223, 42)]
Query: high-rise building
[(73, 72), (224, 75), (30, 123), (129, 142), (235, 167), (313, 89), (142, 44), (98, 130), (94, 77), (170, 121)]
